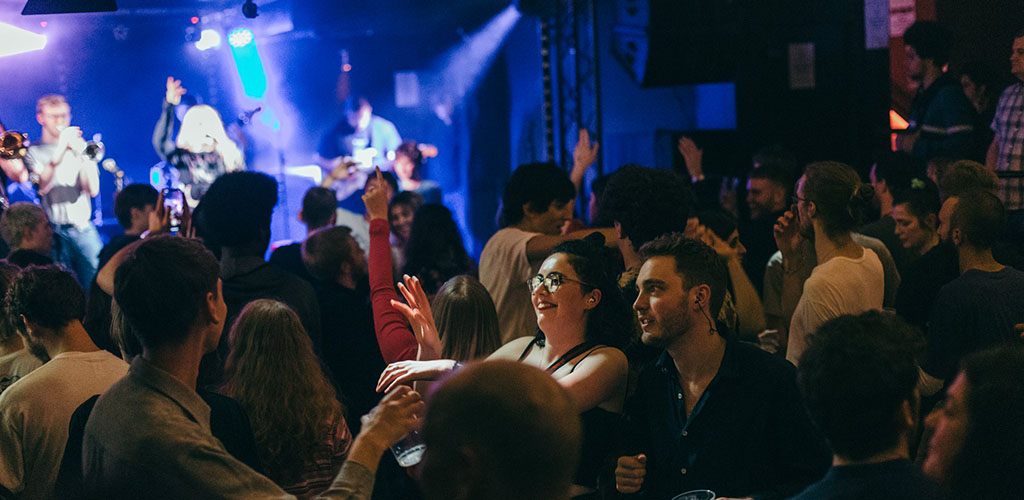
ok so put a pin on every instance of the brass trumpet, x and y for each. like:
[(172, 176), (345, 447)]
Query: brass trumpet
[(13, 145)]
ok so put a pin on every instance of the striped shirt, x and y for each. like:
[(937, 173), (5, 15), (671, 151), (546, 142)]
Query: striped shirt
[(1008, 126)]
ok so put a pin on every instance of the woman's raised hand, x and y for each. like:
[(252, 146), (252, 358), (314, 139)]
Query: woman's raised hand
[(376, 198), (421, 318), (174, 91)]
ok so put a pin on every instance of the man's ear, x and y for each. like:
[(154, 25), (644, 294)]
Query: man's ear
[(618, 230), (299, 216), (812, 209), (957, 236), (932, 221), (527, 211)]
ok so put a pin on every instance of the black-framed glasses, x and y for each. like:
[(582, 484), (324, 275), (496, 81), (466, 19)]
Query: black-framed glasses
[(796, 199), (552, 282)]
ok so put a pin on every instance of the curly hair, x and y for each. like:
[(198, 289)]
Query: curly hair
[(46, 295), (646, 203), (8, 273), (855, 375), (272, 372), (434, 252), (536, 184), (611, 321)]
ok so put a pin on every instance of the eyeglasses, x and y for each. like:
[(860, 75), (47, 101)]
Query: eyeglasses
[(553, 281), (796, 199)]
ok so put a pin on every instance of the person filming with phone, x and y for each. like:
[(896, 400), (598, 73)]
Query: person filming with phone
[(68, 179)]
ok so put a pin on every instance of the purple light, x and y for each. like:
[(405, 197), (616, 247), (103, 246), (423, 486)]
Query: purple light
[(14, 40)]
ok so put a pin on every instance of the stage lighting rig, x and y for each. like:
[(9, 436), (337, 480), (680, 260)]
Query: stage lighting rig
[(249, 9)]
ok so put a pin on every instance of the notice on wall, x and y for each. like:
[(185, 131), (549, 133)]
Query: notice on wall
[(876, 24), (801, 66), (901, 16), (407, 89)]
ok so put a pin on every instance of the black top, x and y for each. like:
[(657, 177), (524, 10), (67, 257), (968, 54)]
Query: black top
[(197, 170), (749, 435), (255, 279), (350, 349), (922, 281), (977, 310), (289, 258), (892, 480), (97, 311), (758, 238), (885, 229)]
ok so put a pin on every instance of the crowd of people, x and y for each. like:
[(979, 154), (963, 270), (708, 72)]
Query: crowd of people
[(836, 336)]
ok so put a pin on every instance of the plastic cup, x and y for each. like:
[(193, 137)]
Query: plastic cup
[(409, 451), (696, 495)]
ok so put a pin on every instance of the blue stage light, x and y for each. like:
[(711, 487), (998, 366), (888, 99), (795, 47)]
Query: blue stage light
[(248, 63)]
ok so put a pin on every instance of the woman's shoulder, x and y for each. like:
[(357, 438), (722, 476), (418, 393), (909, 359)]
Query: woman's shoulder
[(513, 350)]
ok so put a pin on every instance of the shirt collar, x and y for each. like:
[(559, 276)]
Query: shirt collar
[(187, 398), (728, 368)]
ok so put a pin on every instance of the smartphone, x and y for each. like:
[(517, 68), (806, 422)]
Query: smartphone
[(174, 202)]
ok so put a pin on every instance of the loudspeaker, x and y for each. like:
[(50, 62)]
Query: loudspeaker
[(67, 6), (677, 42)]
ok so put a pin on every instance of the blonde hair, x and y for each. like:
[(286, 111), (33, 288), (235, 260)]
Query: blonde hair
[(272, 372), (202, 123)]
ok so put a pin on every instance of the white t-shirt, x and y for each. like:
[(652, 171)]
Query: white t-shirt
[(839, 286), (15, 365), (64, 200), (504, 270), (36, 410)]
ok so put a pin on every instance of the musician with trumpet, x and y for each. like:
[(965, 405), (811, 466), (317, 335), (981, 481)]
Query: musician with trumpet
[(68, 178)]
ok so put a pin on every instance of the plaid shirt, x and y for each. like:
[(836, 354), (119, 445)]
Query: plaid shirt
[(1008, 126)]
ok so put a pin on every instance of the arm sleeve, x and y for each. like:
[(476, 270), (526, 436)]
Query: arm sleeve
[(12, 469), (396, 340), (162, 142), (36, 158), (354, 482)]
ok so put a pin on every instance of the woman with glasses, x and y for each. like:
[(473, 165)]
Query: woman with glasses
[(583, 321)]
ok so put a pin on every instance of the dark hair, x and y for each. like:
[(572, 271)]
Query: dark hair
[(597, 189), (411, 199), (536, 184), (930, 40), (980, 217), (987, 464), (967, 175), (610, 322), (161, 287), (466, 319), (838, 195), (435, 252), (921, 198), (411, 150), (783, 176), (388, 176), (325, 250), (855, 375), (47, 295), (24, 257), (318, 205), (133, 196), (646, 203), (237, 209), (696, 262), (982, 74), (897, 169), (8, 273)]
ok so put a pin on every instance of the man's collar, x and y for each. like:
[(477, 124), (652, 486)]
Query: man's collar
[(727, 369), (186, 397)]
